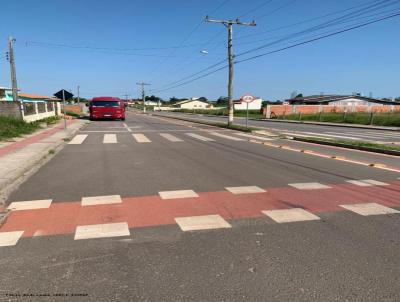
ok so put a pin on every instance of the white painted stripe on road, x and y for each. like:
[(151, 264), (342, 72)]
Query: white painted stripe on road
[(312, 134), (200, 137), (206, 222), (178, 194), (110, 139), (141, 138), (226, 136), (30, 205), (96, 200), (360, 183), (255, 136), (368, 209), (127, 128), (245, 190), (77, 140), (309, 186), (375, 182), (10, 238), (101, 230), (171, 137), (290, 215)]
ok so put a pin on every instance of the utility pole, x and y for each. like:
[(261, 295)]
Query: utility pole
[(11, 59), (229, 25), (143, 94), (79, 100)]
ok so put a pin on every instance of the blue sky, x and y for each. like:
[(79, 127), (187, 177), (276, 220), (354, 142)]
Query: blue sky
[(364, 60)]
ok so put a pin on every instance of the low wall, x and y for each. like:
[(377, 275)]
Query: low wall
[(10, 109), (34, 111), (276, 111), (74, 108)]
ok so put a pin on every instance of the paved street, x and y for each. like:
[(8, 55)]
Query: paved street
[(307, 130), (160, 209)]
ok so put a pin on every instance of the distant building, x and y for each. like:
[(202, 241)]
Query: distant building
[(339, 100), (254, 105), (5, 94), (151, 103), (193, 104)]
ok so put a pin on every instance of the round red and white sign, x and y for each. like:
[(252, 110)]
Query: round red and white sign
[(247, 98)]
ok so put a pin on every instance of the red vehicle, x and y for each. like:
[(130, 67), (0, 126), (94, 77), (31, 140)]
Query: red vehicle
[(107, 108)]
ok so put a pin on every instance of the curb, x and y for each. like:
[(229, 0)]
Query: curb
[(346, 146)]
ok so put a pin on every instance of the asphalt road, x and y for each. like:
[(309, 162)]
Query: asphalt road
[(246, 255), (308, 130)]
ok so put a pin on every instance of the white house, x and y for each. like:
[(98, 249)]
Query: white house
[(254, 105), (151, 103), (193, 104)]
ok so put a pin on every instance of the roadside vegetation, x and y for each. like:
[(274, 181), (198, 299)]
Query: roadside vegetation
[(11, 127), (377, 119), (361, 144)]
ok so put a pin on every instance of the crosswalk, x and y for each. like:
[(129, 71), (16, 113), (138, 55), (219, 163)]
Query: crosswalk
[(141, 138)]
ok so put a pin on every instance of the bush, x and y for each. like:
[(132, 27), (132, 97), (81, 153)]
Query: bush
[(12, 127)]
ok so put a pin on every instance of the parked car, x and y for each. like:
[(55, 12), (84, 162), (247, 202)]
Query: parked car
[(107, 108)]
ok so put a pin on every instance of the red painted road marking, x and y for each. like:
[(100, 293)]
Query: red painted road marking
[(30, 140), (64, 217)]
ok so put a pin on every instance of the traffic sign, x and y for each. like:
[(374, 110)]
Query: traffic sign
[(248, 98), (63, 94)]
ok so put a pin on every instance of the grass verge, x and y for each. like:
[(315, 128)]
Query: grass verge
[(11, 127), (360, 145)]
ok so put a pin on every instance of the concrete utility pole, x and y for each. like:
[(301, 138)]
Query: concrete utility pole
[(143, 94), (11, 59), (79, 100), (229, 25)]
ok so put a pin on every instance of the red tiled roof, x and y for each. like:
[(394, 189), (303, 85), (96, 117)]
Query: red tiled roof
[(35, 96)]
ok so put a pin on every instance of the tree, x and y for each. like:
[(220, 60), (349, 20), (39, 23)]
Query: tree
[(222, 100), (153, 98), (202, 99)]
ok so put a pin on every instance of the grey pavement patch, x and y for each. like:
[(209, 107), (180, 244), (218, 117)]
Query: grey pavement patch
[(367, 209), (206, 222)]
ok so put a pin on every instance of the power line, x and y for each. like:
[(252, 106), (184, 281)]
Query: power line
[(284, 48)]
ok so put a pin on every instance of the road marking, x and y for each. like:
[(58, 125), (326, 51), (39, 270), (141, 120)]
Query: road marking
[(309, 186), (290, 215), (360, 183), (367, 209), (312, 134), (254, 136), (226, 136), (200, 137), (127, 128), (178, 194), (245, 190), (171, 137), (101, 230), (206, 222), (110, 139), (30, 205), (95, 200), (10, 238), (141, 138), (375, 182), (77, 140)]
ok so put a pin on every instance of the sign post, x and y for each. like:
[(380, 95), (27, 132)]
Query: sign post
[(64, 95), (248, 99)]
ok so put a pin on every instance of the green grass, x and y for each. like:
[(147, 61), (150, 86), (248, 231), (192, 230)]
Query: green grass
[(11, 127), (358, 144), (377, 119)]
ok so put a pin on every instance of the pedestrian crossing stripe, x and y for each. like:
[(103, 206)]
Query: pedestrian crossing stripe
[(110, 139), (171, 137), (141, 138), (200, 137), (226, 136)]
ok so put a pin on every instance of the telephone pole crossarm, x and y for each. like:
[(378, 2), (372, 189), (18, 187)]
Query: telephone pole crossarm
[(142, 84)]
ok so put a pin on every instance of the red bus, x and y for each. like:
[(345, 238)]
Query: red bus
[(107, 108)]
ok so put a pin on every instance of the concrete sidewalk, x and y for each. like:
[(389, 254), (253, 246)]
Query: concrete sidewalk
[(19, 158)]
